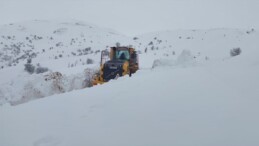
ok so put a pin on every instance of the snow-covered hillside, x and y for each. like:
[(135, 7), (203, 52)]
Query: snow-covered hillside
[(189, 89), (53, 40), (68, 47), (213, 104), (72, 48)]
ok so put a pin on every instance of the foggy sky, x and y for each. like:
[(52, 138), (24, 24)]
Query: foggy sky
[(132, 17)]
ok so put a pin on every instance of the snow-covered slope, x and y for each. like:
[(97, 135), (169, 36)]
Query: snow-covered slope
[(69, 47), (53, 41), (189, 89), (202, 105)]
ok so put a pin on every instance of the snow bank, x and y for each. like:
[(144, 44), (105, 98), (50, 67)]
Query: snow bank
[(29, 87)]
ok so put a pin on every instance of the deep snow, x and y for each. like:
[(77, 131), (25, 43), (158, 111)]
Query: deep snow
[(186, 106), (198, 95)]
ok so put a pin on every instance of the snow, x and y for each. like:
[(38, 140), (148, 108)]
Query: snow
[(169, 106), (197, 96)]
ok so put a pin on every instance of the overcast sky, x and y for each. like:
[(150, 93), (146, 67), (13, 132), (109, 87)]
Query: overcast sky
[(132, 17)]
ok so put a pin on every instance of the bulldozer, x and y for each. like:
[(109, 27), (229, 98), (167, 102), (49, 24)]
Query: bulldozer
[(120, 61)]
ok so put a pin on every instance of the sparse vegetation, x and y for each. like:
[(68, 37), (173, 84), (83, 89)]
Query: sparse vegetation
[(235, 52), (59, 44), (89, 61), (29, 67), (135, 38), (41, 70), (250, 31), (152, 48), (73, 53)]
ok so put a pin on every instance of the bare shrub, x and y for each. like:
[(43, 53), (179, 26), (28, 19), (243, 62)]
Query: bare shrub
[(135, 38), (150, 43), (235, 52), (41, 70), (29, 67), (89, 61), (145, 50)]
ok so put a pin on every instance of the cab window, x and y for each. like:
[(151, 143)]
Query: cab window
[(122, 55)]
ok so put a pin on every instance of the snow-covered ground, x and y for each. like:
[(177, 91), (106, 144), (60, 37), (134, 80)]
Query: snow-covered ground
[(189, 91)]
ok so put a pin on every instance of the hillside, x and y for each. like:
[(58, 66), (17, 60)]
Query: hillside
[(72, 48), (189, 90), (214, 104), (53, 41)]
